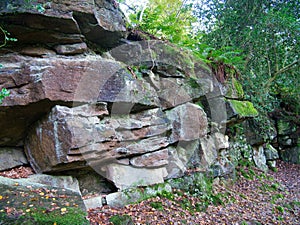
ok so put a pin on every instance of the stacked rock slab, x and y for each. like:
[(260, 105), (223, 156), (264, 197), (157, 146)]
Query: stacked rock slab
[(137, 114)]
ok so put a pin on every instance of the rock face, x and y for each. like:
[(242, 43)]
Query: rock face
[(282, 140), (137, 114), (288, 129), (12, 157), (63, 22)]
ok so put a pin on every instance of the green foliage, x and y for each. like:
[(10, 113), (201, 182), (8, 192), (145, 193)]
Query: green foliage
[(157, 205), (268, 33), (279, 209), (276, 197), (196, 186), (166, 194), (174, 20), (6, 38), (272, 187), (238, 88), (121, 220), (3, 93), (167, 19)]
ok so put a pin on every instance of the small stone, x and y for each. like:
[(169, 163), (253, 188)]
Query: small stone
[(221, 140), (93, 202), (259, 158), (270, 152), (71, 49)]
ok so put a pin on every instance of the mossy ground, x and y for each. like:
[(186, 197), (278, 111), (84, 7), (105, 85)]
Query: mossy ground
[(40, 206)]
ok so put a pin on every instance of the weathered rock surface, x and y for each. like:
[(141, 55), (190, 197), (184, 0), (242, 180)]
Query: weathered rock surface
[(139, 114), (137, 143), (291, 155), (71, 49), (179, 157), (125, 176), (64, 22), (12, 157), (259, 158), (62, 182), (36, 85), (270, 152), (188, 122), (121, 199)]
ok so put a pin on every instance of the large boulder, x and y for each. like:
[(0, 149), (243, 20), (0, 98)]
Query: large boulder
[(188, 121), (63, 22)]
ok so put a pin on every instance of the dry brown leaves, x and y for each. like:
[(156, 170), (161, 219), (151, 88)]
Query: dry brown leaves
[(271, 198), (18, 172)]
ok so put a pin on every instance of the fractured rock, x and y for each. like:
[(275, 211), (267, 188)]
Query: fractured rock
[(12, 157), (179, 157), (259, 158), (64, 22), (71, 49), (153, 159), (79, 135), (270, 152), (37, 84), (189, 122), (126, 176)]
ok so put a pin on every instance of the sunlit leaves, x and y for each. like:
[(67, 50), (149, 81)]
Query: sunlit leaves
[(3, 93), (167, 19)]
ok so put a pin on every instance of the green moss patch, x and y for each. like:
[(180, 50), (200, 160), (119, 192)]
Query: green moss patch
[(235, 89), (243, 108)]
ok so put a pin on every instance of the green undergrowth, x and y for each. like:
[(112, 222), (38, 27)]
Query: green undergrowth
[(192, 192), (121, 220), (41, 216)]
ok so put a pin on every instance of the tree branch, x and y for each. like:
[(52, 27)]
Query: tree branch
[(282, 70), (5, 37), (286, 67)]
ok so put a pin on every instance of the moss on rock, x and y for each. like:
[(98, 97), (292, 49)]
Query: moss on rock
[(243, 108), (235, 89), (239, 88)]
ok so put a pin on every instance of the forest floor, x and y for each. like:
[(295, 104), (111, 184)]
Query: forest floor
[(254, 198)]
